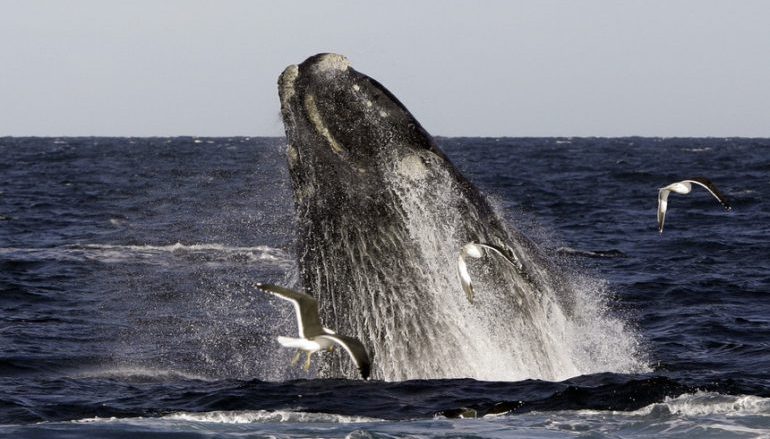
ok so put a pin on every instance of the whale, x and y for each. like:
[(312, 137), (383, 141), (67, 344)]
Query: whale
[(381, 213)]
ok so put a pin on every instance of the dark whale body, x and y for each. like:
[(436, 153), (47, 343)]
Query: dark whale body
[(381, 215)]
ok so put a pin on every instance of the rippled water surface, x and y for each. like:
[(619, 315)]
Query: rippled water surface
[(128, 309)]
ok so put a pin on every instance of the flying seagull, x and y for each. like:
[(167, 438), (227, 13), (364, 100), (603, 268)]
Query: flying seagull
[(476, 250), (312, 336), (684, 187)]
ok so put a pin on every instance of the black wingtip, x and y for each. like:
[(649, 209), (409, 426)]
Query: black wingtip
[(723, 200), (366, 367)]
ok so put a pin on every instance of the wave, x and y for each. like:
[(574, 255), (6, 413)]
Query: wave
[(138, 373), (254, 416), (240, 417), (688, 405), (115, 253), (692, 414), (612, 253), (698, 414), (708, 404)]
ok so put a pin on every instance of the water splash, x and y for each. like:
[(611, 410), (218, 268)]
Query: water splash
[(547, 323)]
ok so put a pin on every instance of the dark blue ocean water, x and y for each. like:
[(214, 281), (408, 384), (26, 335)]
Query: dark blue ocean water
[(127, 302)]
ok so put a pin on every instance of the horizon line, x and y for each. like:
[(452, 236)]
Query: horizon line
[(631, 136)]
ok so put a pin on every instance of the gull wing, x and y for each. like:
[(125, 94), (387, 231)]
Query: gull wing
[(356, 351), (305, 306), (505, 253), (709, 186), (662, 206), (465, 277)]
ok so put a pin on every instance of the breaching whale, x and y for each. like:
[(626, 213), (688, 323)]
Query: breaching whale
[(381, 214)]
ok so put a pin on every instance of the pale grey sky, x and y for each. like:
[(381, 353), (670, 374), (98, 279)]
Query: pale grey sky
[(475, 68)]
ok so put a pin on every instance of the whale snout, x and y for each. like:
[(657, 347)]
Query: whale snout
[(318, 67), (325, 63), (317, 73), (338, 119)]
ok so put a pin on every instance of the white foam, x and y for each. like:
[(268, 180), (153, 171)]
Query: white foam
[(237, 417), (129, 372), (98, 420), (115, 253), (709, 403), (688, 405), (699, 414), (253, 416)]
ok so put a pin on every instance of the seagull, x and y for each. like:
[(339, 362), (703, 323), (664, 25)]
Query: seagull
[(312, 336), (476, 250), (684, 187)]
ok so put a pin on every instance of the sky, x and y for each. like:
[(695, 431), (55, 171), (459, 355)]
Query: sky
[(463, 68)]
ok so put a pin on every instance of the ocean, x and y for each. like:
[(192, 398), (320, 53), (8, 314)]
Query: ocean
[(128, 305)]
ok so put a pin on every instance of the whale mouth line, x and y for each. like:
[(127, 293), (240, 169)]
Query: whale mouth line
[(315, 118)]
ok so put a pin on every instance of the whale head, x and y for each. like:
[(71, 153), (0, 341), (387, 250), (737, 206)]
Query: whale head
[(344, 129)]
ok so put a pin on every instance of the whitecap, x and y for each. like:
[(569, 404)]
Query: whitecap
[(238, 417), (709, 403), (256, 416), (691, 405), (699, 414), (115, 253), (137, 373)]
